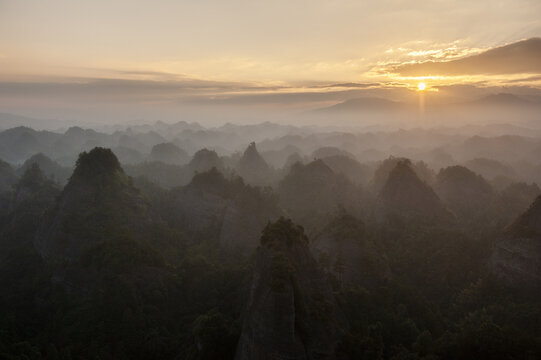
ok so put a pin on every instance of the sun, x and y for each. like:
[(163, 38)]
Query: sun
[(421, 86)]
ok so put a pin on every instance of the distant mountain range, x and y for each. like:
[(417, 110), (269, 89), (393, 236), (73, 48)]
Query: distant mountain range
[(379, 104)]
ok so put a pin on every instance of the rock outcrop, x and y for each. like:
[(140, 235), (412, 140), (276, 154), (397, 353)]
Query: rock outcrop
[(517, 256), (291, 312)]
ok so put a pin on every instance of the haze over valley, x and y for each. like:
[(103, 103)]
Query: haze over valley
[(270, 180)]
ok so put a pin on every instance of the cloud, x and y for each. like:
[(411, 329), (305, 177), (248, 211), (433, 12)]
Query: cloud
[(522, 57)]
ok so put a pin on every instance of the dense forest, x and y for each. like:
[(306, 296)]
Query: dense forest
[(144, 248)]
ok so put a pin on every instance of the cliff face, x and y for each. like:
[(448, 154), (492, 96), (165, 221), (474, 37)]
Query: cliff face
[(291, 312), (98, 203), (517, 256)]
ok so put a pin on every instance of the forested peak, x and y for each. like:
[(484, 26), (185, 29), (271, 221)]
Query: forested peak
[(283, 232), (403, 171), (33, 178), (205, 154), (462, 176), (316, 167), (251, 159), (97, 162), (212, 178), (41, 159)]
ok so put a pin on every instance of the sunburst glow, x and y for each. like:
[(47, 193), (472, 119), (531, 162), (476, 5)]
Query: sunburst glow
[(421, 86)]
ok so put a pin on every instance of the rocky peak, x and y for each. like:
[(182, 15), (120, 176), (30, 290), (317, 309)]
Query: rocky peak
[(252, 167), (291, 311)]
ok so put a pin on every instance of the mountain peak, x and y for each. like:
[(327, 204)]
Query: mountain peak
[(97, 162)]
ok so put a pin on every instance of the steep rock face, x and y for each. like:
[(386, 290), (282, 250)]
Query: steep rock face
[(517, 256), (227, 211), (291, 312), (98, 203), (169, 153), (253, 168), (406, 196), (345, 250)]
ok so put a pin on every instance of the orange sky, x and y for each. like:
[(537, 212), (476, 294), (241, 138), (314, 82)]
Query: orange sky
[(185, 50)]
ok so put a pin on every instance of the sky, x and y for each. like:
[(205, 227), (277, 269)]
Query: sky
[(120, 59)]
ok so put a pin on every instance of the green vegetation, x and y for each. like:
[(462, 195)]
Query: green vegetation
[(141, 286)]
